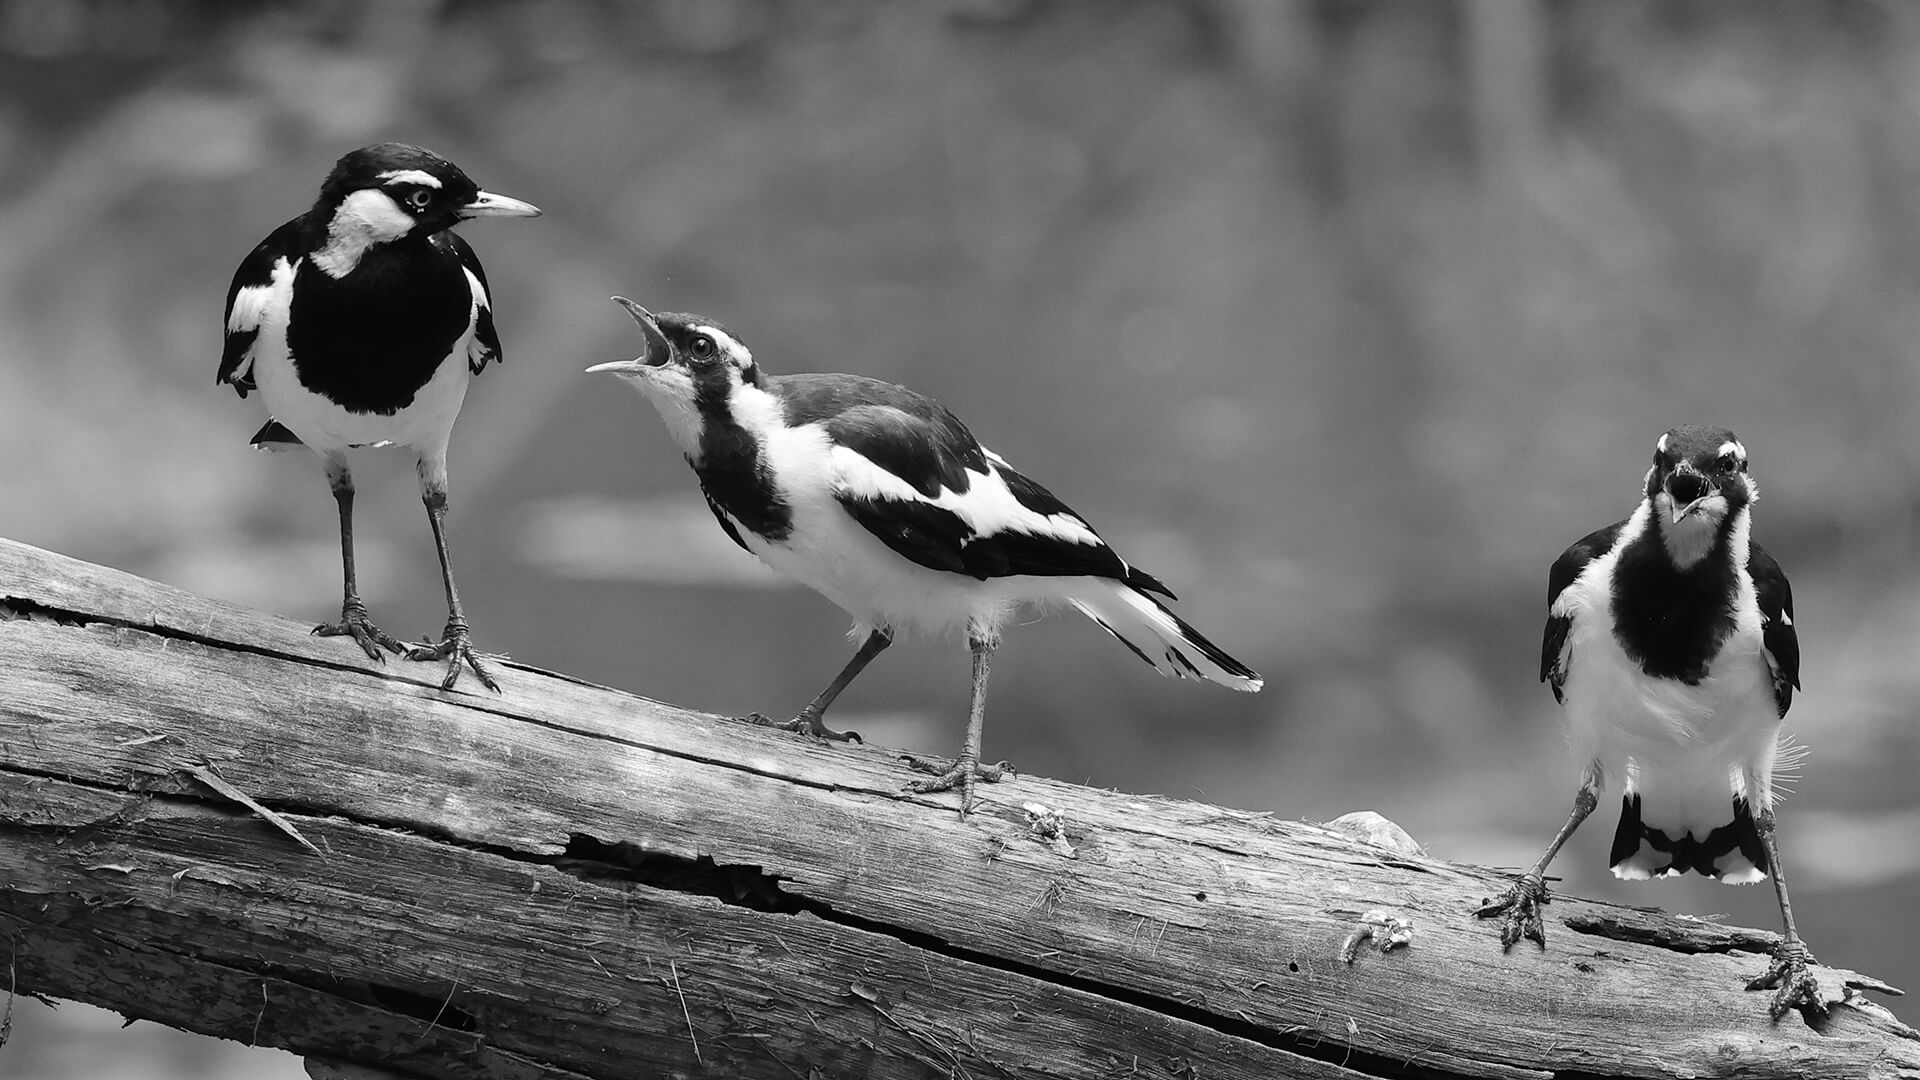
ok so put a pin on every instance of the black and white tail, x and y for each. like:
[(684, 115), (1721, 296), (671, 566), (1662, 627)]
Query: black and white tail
[(275, 436), (1724, 845), (1161, 638)]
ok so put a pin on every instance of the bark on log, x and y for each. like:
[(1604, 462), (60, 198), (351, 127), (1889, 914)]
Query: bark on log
[(570, 881)]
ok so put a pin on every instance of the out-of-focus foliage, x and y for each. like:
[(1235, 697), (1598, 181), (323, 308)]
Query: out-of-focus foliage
[(1343, 318)]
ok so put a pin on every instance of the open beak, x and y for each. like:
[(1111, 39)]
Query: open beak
[(657, 350), (1688, 489), (488, 204)]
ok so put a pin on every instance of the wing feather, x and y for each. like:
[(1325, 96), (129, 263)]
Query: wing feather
[(485, 347), (1777, 633), (247, 298), (1556, 656), (911, 473)]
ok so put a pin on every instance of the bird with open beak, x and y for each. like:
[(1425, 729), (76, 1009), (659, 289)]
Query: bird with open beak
[(1671, 644), (882, 501)]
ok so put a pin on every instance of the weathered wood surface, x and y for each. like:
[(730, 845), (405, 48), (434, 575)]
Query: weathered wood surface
[(570, 881)]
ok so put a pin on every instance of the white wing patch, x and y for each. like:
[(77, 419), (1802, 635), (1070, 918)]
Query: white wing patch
[(479, 353), (987, 506), (479, 291), (256, 305)]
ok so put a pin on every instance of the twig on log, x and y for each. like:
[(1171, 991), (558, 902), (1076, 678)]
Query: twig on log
[(206, 775)]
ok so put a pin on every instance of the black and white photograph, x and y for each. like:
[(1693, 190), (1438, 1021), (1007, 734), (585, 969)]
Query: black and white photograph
[(1055, 539)]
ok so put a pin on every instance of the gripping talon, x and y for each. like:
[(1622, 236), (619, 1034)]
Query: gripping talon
[(963, 773), (355, 624), (807, 723), (1794, 986), (1519, 908), (457, 650)]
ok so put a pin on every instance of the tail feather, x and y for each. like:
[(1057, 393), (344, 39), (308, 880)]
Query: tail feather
[(1731, 852), (275, 436), (1161, 638)]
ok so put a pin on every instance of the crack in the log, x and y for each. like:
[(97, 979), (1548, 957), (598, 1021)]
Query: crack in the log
[(1675, 936), (599, 861), (743, 885), (26, 608)]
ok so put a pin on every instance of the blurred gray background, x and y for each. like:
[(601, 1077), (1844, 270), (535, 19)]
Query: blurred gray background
[(1344, 318)]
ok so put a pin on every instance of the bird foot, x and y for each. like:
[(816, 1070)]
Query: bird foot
[(355, 624), (1794, 986), (456, 649), (807, 723), (961, 773), (1519, 908)]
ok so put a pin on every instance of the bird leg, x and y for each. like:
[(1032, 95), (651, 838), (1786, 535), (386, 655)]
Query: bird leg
[(353, 622), (964, 771), (1520, 905), (1795, 986), (808, 722), (455, 648)]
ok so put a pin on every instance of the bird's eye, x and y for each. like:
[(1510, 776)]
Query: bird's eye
[(420, 198), (702, 346), (1729, 463)]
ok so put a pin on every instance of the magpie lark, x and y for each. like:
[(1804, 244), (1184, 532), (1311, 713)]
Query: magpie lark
[(880, 500), (1670, 642), (360, 322)]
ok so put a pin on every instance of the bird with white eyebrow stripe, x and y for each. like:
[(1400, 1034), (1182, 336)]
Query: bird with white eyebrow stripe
[(360, 322), (881, 500), (1670, 641)]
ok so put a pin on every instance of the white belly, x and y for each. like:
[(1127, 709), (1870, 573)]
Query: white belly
[(1697, 743), (425, 423)]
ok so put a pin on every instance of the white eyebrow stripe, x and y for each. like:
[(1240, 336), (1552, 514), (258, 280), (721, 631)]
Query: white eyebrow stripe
[(1733, 447), (1661, 445), (725, 341), (411, 176)]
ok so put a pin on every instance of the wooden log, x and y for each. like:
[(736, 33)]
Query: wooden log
[(569, 881)]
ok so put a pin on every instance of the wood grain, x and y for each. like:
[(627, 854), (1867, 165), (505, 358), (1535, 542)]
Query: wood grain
[(566, 880)]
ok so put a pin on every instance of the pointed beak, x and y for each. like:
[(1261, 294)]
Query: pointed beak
[(619, 367), (488, 204), (658, 350)]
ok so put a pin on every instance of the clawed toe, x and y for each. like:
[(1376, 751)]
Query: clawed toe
[(1794, 986), (807, 723), (1519, 910), (355, 624), (960, 773), (457, 651)]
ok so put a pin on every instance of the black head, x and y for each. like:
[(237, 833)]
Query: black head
[(1697, 486), (702, 348), (692, 365), (390, 190)]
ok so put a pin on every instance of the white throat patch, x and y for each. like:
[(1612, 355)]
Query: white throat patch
[(1689, 539), (364, 218), (670, 389)]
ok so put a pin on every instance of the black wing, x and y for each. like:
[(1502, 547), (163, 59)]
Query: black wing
[(726, 524), (486, 340), (1777, 633), (926, 448), (1553, 644), (243, 325)]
